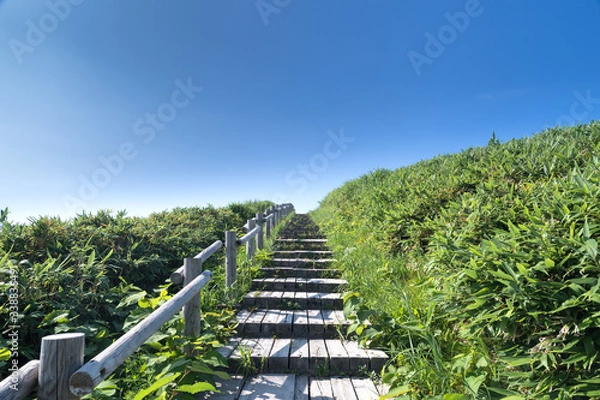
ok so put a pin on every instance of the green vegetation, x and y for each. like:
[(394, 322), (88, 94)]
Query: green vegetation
[(101, 274), (479, 271)]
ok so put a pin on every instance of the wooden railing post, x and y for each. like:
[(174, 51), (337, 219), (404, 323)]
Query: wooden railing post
[(191, 311), (273, 223), (260, 221), (268, 224), (61, 355), (250, 246), (230, 258)]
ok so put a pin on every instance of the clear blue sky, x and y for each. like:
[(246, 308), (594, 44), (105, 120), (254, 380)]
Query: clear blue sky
[(196, 102)]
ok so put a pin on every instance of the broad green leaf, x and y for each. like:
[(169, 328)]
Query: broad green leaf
[(55, 317), (131, 299), (157, 385), (196, 388)]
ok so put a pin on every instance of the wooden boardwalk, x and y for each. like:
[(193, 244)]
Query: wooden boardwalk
[(289, 329)]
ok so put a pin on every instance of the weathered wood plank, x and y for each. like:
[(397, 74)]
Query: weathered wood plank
[(269, 323), (276, 386), (332, 301), (252, 325), (365, 389), (343, 388), (230, 389), (319, 358), (316, 327), (286, 320), (300, 299), (377, 359), (227, 350), (261, 351), (300, 327), (299, 354), (288, 297), (320, 389), (302, 390), (358, 357), (339, 360), (290, 283), (280, 355)]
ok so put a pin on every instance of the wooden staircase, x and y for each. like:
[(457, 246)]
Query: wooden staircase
[(289, 329)]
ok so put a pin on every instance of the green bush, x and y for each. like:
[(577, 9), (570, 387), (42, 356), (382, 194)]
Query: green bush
[(77, 275), (479, 270)]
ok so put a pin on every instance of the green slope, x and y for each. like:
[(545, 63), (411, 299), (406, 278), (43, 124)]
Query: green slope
[(479, 270)]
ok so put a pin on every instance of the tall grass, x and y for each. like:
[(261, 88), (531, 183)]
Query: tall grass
[(479, 270)]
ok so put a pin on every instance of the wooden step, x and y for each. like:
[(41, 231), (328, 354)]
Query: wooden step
[(311, 254), (293, 300), (294, 387), (302, 262), (299, 284), (286, 272), (301, 244), (291, 323), (312, 241), (302, 356)]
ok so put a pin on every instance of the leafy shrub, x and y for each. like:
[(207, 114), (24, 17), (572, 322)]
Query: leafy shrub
[(73, 275), (479, 270)]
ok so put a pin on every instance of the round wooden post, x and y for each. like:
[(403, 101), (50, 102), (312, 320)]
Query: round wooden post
[(191, 311), (230, 258), (260, 221), (250, 245), (60, 357)]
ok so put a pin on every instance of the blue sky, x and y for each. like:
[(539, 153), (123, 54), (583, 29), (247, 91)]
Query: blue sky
[(149, 105)]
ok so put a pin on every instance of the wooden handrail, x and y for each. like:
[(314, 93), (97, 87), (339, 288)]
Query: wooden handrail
[(248, 236), (100, 367), (20, 386), (178, 276)]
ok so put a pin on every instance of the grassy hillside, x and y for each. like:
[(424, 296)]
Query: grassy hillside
[(101, 273), (479, 270)]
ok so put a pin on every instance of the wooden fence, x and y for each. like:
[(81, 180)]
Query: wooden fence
[(61, 374)]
